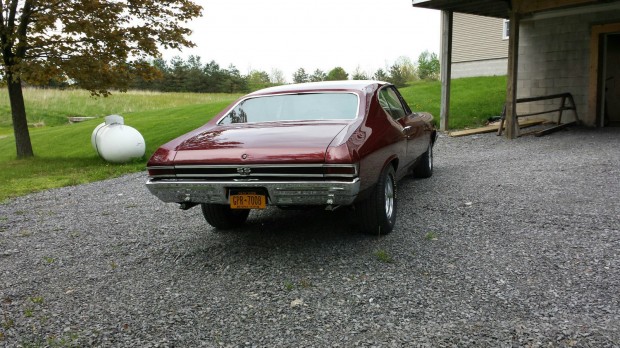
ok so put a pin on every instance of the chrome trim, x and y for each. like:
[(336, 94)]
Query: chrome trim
[(279, 193), (235, 171), (160, 167), (253, 174)]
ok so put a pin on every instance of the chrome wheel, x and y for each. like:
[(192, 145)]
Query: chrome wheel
[(389, 196), (430, 157), (376, 215)]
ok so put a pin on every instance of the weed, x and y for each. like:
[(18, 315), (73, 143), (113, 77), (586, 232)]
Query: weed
[(8, 323), (288, 285), (113, 265), (67, 340), (49, 260), (25, 233), (383, 256), (37, 299), (19, 212), (29, 312), (431, 236)]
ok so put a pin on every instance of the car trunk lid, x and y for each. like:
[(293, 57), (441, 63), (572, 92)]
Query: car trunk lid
[(299, 142)]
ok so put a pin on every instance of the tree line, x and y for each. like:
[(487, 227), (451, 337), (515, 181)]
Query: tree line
[(192, 75)]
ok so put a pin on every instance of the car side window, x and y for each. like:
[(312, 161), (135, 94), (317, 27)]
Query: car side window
[(390, 102)]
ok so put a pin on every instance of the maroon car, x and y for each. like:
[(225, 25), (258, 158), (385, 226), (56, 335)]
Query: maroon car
[(328, 144)]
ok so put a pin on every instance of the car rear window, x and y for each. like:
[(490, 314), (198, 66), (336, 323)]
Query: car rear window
[(294, 107)]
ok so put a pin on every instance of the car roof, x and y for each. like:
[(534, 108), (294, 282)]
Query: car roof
[(348, 85)]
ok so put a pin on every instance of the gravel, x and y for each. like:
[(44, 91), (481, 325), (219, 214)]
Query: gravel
[(510, 243)]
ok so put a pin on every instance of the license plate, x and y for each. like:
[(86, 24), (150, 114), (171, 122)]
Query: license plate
[(248, 201)]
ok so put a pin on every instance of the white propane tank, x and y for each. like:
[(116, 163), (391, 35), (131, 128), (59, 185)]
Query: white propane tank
[(115, 142)]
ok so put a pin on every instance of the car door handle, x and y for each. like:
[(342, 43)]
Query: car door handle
[(406, 129)]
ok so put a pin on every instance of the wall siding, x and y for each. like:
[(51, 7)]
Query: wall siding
[(554, 58), (477, 38)]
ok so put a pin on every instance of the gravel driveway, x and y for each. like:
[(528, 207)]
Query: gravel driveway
[(510, 243)]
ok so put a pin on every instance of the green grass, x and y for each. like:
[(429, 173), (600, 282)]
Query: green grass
[(64, 156), (473, 100), (52, 107)]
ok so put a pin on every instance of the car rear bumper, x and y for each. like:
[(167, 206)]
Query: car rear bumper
[(278, 192)]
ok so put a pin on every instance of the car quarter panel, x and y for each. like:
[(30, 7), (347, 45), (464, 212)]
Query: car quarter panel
[(384, 143)]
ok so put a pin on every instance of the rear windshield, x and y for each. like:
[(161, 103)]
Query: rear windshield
[(294, 107)]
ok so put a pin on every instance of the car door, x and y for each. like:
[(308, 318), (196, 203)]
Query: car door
[(411, 127), (417, 131)]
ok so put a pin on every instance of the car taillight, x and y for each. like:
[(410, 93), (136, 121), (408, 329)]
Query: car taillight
[(161, 171), (341, 170)]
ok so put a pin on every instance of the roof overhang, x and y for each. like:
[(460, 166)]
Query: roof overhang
[(490, 8), (502, 8)]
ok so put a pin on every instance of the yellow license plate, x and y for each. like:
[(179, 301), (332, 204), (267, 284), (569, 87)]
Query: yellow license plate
[(248, 201)]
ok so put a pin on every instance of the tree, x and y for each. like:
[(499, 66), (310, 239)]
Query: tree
[(318, 75), (258, 80), (396, 76), (277, 77), (336, 74), (97, 44), (300, 76), (428, 66), (380, 75), (358, 74), (407, 68)]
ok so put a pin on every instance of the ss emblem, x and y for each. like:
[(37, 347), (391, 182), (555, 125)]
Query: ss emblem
[(245, 171)]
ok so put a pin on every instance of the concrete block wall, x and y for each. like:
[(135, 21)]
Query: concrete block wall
[(554, 58), (487, 67)]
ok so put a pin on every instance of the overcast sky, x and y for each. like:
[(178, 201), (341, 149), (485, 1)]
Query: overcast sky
[(323, 34)]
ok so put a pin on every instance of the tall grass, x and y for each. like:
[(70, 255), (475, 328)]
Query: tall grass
[(52, 107)]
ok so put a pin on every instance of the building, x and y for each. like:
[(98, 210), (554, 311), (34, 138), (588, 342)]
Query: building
[(480, 46), (554, 46)]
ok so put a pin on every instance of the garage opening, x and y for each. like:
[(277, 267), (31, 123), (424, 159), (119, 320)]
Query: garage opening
[(610, 108)]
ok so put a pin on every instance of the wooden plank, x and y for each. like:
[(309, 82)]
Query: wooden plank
[(447, 21), (554, 129), (512, 131), (493, 128)]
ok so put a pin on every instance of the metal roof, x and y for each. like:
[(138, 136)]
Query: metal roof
[(490, 8)]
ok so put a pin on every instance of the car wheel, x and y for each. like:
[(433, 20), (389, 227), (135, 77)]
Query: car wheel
[(223, 217), (424, 168), (377, 214)]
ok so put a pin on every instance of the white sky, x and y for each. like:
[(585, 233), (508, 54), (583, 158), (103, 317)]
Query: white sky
[(323, 34)]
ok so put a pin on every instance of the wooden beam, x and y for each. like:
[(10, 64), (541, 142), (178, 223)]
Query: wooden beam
[(530, 6), (493, 128), (594, 86), (511, 88), (445, 68)]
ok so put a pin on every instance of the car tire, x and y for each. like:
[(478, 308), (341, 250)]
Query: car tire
[(376, 215), (223, 217), (424, 168)]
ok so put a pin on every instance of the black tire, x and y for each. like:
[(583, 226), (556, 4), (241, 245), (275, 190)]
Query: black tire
[(222, 217), (424, 168), (376, 214)]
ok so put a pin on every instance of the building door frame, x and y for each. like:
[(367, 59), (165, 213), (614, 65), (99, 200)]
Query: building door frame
[(596, 87)]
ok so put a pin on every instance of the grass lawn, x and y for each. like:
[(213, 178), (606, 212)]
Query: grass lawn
[(473, 100), (64, 156)]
